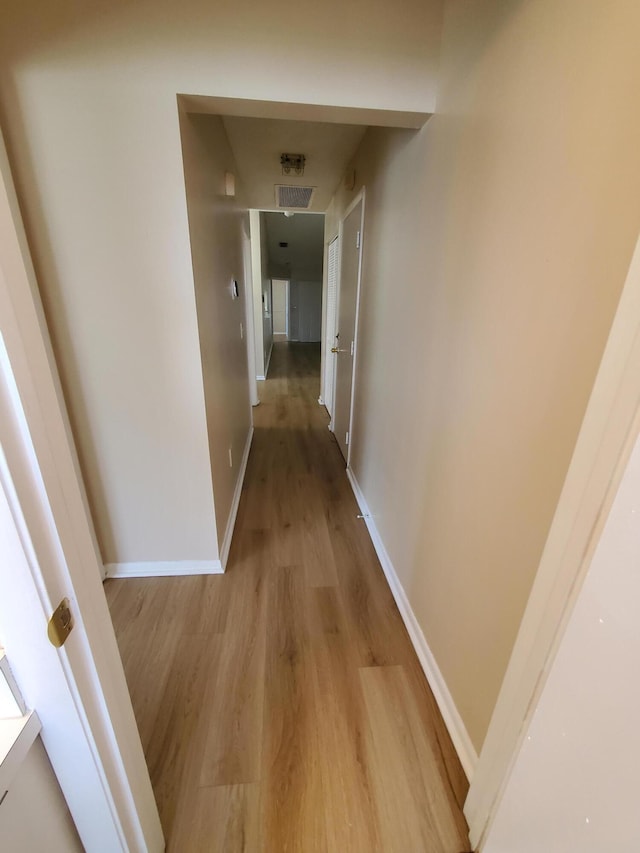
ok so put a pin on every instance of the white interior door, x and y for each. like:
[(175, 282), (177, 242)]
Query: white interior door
[(330, 329), (345, 348)]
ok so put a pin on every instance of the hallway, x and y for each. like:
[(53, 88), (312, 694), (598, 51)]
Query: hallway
[(281, 706)]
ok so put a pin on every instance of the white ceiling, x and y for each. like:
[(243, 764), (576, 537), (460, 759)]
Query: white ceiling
[(302, 258), (257, 144)]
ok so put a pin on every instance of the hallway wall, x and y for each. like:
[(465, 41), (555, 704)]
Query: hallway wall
[(496, 244), (88, 105), (215, 227)]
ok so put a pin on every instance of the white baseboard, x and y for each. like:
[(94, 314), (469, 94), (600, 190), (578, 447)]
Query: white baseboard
[(163, 568), (231, 523), (453, 721)]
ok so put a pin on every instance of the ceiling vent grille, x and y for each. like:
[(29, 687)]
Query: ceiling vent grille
[(299, 198)]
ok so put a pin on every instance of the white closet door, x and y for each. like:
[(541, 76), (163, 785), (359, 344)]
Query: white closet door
[(330, 337)]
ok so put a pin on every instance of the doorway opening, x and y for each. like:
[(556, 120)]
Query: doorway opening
[(287, 280)]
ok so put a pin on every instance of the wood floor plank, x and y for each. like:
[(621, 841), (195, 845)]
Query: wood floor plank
[(414, 813), (170, 752), (349, 805), (230, 736), (293, 816), (220, 819), (319, 561)]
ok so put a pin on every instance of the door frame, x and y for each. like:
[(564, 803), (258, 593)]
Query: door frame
[(249, 314), (41, 476), (359, 197), (286, 303), (608, 433), (325, 338)]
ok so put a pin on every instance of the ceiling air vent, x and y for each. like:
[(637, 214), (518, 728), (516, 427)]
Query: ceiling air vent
[(297, 197)]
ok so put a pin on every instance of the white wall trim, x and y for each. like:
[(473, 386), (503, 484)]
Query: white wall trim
[(249, 309), (231, 523), (360, 198), (163, 568), (450, 714)]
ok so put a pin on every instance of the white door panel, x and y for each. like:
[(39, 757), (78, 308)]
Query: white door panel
[(350, 258), (330, 335)]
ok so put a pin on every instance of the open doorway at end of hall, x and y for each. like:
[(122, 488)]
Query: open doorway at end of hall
[(287, 269), (296, 311)]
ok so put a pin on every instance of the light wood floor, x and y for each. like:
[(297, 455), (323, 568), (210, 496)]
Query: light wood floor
[(281, 706)]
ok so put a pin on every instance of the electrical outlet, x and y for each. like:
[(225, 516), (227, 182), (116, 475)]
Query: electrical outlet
[(230, 458)]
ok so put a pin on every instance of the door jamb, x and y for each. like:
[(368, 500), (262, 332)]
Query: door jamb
[(286, 308), (323, 397), (360, 197), (249, 312)]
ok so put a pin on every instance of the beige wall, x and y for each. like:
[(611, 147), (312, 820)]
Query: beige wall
[(215, 227), (88, 104), (497, 240)]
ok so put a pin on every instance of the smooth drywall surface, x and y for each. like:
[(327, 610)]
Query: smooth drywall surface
[(496, 243), (215, 227), (88, 96), (574, 785)]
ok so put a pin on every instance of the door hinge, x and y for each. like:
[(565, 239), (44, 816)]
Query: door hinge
[(60, 624), (346, 440), (352, 346), (357, 239)]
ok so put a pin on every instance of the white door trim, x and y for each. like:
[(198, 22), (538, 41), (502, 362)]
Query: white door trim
[(360, 197), (332, 422), (40, 457), (286, 308), (329, 364), (247, 293), (608, 433)]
